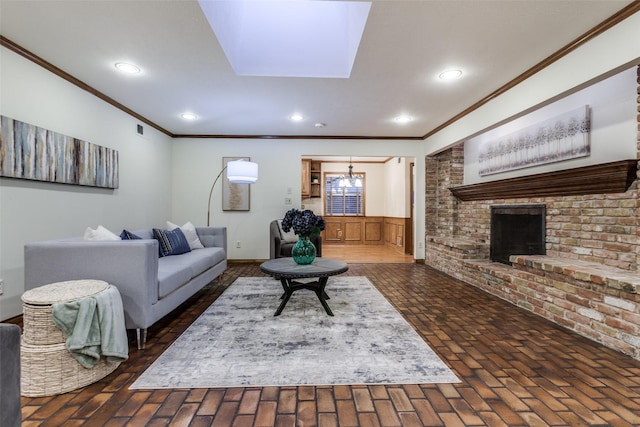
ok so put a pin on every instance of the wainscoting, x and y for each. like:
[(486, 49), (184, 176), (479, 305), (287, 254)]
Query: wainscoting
[(396, 233)]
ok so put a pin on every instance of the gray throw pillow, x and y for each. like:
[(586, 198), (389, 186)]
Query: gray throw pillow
[(287, 236)]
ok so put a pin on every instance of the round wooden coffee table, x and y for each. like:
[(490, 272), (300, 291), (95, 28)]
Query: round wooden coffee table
[(287, 270)]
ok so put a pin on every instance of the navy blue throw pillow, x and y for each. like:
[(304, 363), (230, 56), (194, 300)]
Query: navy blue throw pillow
[(127, 235), (172, 242)]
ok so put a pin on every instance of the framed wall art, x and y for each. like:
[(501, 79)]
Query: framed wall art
[(235, 197)]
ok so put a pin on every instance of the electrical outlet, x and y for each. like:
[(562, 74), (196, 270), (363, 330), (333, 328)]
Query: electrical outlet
[(1, 286), (238, 245), (287, 200)]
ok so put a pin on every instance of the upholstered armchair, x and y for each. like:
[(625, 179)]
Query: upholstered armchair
[(10, 412), (280, 243)]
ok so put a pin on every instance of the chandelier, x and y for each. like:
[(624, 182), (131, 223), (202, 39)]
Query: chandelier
[(350, 179)]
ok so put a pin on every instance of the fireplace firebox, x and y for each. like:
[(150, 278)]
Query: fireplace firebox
[(517, 230)]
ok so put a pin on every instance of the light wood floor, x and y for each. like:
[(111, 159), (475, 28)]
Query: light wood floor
[(365, 254), (516, 369)]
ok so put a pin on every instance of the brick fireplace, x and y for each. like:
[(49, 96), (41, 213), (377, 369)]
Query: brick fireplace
[(588, 280), (516, 230)]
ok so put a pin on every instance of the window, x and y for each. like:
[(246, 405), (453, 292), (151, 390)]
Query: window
[(344, 196)]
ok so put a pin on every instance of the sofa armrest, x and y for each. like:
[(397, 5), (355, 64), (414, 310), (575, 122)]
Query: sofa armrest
[(316, 239), (130, 265), (275, 240), (213, 237)]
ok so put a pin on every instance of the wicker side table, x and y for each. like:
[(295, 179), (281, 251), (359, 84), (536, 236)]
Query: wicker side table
[(47, 367)]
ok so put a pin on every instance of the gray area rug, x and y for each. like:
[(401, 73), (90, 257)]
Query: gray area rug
[(237, 342)]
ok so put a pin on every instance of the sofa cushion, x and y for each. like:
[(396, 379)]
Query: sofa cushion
[(202, 260), (287, 236), (172, 274), (100, 233), (127, 235), (172, 242), (146, 233), (175, 271), (189, 231)]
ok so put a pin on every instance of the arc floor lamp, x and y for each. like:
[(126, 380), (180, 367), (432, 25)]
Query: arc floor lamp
[(238, 172)]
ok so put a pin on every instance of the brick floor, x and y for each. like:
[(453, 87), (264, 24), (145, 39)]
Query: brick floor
[(516, 369)]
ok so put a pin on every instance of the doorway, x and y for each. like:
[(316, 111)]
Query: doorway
[(388, 202)]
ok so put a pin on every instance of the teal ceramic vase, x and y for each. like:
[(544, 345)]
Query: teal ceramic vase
[(304, 251)]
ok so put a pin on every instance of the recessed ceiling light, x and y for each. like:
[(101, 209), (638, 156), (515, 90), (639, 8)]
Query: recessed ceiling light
[(403, 119), (450, 74), (296, 117), (188, 116), (127, 68)]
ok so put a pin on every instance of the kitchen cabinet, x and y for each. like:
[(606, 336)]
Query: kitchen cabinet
[(316, 176), (311, 175), (306, 178)]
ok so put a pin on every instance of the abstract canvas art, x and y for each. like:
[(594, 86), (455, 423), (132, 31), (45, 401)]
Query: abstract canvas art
[(34, 153), (561, 138)]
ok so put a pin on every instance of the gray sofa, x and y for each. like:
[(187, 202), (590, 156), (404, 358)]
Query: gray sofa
[(150, 286), (280, 246), (10, 412)]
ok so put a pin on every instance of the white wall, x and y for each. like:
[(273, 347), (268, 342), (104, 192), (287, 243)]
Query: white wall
[(196, 162), (397, 187), (610, 52), (613, 127), (33, 211)]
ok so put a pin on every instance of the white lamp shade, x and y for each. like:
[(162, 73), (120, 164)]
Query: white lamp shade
[(242, 172)]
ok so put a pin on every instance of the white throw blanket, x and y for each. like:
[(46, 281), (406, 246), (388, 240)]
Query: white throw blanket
[(94, 327)]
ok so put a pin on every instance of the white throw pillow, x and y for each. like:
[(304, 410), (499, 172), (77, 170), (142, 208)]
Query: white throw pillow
[(189, 231), (287, 236), (99, 233)]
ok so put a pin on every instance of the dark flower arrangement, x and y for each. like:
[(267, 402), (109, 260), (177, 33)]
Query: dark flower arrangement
[(304, 223)]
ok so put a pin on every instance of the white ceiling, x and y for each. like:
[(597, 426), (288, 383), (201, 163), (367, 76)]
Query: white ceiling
[(405, 45)]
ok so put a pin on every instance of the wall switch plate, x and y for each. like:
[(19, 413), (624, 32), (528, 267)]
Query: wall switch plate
[(1, 286), (238, 245)]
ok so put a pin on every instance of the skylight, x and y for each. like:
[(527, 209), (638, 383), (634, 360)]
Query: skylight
[(288, 38)]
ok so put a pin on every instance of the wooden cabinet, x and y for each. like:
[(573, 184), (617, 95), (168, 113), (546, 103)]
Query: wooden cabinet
[(306, 178), (316, 179), (311, 176), (353, 230)]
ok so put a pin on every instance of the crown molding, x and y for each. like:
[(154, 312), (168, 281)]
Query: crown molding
[(607, 24), (5, 42), (615, 19)]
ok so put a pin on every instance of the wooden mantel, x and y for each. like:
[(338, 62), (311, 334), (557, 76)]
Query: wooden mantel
[(614, 177)]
